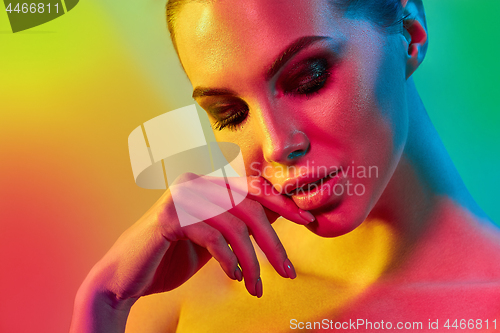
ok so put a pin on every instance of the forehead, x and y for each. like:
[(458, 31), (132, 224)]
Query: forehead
[(216, 36)]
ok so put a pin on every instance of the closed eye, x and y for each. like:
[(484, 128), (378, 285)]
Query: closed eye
[(230, 116), (307, 78)]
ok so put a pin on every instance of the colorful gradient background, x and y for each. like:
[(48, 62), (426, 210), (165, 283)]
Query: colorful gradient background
[(72, 90)]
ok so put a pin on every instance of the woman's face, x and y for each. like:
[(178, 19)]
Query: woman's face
[(307, 94)]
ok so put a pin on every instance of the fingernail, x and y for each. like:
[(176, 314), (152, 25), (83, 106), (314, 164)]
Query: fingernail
[(307, 216), (238, 275), (258, 288), (290, 270)]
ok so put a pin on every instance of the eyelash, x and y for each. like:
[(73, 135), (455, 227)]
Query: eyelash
[(310, 87), (232, 121), (315, 78)]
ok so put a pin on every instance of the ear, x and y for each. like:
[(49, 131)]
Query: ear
[(415, 31)]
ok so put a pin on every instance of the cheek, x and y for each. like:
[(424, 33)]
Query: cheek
[(370, 98), (374, 107), (250, 160), (365, 128)]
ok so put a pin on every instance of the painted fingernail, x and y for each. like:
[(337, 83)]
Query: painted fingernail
[(307, 216), (238, 275), (289, 269), (258, 288)]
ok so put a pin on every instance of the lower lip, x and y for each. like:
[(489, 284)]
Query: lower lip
[(322, 195)]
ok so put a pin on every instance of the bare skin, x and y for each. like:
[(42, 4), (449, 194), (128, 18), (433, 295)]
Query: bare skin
[(414, 234), (370, 266)]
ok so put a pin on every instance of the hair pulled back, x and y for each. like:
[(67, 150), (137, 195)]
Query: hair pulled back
[(386, 14)]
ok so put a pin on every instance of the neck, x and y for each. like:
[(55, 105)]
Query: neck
[(424, 184), (424, 174)]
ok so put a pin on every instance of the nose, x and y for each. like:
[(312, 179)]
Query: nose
[(283, 142)]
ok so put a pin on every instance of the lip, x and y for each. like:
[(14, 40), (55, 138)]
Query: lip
[(321, 195), (317, 189), (291, 184)]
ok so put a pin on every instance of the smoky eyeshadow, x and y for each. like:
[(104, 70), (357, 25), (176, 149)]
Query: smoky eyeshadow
[(223, 109), (304, 72)]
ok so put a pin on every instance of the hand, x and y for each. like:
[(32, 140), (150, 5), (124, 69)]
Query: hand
[(157, 254), (204, 196)]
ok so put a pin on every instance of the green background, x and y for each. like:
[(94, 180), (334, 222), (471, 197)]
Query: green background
[(459, 83)]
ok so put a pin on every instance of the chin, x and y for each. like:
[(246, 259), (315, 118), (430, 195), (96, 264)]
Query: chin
[(337, 221)]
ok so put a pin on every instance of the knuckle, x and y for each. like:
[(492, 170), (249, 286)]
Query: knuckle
[(181, 193), (254, 266), (253, 205), (214, 238), (238, 227), (278, 247), (171, 232), (258, 209), (232, 261), (255, 209)]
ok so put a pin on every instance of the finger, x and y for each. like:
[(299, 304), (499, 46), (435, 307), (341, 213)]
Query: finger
[(194, 197), (262, 191), (193, 209), (235, 231), (192, 184), (254, 215), (211, 239)]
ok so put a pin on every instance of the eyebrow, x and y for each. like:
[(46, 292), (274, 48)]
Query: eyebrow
[(200, 92), (292, 49)]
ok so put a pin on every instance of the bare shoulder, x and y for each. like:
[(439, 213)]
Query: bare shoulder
[(459, 247), (155, 313), (160, 313)]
